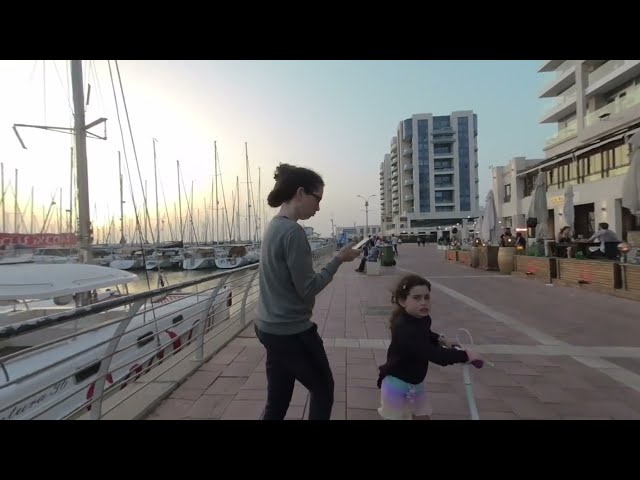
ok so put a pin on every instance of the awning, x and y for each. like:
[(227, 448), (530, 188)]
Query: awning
[(578, 151)]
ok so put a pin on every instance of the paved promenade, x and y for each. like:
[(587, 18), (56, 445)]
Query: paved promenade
[(559, 353)]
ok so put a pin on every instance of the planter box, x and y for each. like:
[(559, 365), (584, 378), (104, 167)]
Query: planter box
[(452, 255), (630, 282), (489, 258), (599, 275), (538, 268), (464, 257)]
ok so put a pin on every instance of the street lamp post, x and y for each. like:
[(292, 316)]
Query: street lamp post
[(366, 209)]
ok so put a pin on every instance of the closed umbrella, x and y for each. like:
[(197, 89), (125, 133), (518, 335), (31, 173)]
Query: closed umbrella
[(487, 230), (538, 210), (568, 211), (631, 184)]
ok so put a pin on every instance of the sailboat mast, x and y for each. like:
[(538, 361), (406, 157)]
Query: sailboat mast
[(146, 212), (215, 149), (238, 198), (155, 172), (246, 156), (31, 227), (71, 222), (16, 225), (84, 212), (4, 227), (122, 239), (180, 202)]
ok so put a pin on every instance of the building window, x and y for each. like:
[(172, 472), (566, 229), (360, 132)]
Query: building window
[(507, 193)]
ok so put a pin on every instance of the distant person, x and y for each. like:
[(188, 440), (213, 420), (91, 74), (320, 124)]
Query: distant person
[(604, 235), (403, 394), (288, 287), (394, 242)]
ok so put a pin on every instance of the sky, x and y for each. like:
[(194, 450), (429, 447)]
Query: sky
[(336, 117)]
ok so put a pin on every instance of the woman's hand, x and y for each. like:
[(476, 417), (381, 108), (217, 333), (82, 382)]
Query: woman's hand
[(348, 253)]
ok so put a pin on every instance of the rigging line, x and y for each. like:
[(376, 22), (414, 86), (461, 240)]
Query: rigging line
[(44, 90), (62, 85), (166, 209), (224, 199), (189, 211), (133, 143), (97, 79), (126, 160)]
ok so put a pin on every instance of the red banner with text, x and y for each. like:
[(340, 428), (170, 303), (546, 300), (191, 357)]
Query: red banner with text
[(39, 240)]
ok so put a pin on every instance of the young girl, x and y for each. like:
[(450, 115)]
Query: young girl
[(403, 394)]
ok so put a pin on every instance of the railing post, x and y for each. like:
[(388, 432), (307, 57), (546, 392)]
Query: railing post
[(96, 407), (243, 313), (200, 350)]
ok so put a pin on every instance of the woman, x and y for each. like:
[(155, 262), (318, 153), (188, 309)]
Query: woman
[(288, 287)]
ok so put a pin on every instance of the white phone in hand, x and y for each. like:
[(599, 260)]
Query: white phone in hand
[(361, 243)]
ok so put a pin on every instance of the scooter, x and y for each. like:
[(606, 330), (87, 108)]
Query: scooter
[(466, 374)]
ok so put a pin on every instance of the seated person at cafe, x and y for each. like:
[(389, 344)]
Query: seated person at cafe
[(605, 236), (520, 241), (506, 239), (372, 256), (565, 235)]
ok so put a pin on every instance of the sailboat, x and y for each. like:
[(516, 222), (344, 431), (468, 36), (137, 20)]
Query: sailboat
[(52, 380)]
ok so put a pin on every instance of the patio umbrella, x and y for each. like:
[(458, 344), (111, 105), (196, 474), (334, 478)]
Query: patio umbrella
[(568, 211), (538, 209), (487, 230), (631, 184)]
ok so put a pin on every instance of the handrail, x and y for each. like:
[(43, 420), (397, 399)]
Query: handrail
[(97, 370)]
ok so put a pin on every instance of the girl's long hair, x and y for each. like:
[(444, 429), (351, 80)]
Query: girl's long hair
[(401, 292)]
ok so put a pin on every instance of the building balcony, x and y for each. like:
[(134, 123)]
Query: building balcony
[(394, 145), (621, 113), (408, 198), (609, 111), (443, 154), (408, 166), (563, 106), (407, 152), (394, 160), (550, 65), (567, 133), (408, 181), (394, 196), (442, 138), (444, 186), (564, 78), (610, 75), (394, 154), (395, 188)]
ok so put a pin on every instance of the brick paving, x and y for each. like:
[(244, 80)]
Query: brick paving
[(558, 352)]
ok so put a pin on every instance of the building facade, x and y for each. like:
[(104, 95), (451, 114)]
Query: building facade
[(596, 108), (429, 180)]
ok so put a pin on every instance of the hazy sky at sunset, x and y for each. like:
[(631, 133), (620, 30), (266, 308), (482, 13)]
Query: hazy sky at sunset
[(336, 117)]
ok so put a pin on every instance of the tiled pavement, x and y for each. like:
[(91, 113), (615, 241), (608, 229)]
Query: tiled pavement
[(559, 353)]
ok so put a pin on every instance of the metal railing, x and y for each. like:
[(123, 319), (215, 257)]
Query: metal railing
[(131, 352)]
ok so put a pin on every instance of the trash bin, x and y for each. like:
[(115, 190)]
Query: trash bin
[(387, 255)]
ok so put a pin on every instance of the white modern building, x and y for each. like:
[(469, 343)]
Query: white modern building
[(596, 108), (429, 179)]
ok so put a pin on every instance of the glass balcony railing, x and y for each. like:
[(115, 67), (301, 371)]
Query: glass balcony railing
[(631, 99), (604, 70), (571, 130)]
